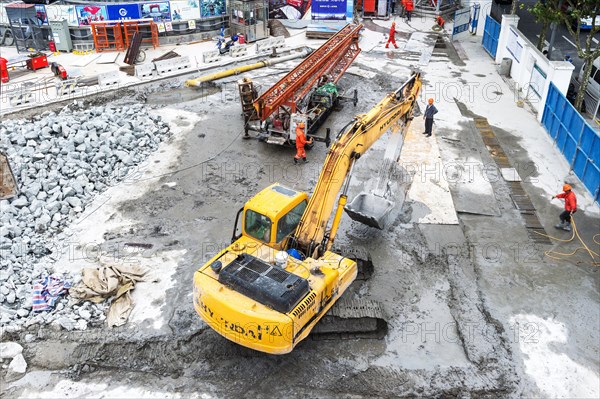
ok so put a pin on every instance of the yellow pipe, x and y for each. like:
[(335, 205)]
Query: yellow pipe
[(245, 68), (336, 220), (224, 74)]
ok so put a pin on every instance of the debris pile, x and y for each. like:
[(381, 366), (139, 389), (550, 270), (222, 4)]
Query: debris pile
[(61, 162)]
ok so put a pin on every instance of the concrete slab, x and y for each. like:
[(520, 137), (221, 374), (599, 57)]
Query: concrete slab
[(468, 176), (422, 43), (85, 60), (361, 72), (107, 58), (429, 191)]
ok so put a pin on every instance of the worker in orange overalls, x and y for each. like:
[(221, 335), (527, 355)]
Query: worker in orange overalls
[(300, 143), (440, 21), (392, 38), (409, 6), (570, 207)]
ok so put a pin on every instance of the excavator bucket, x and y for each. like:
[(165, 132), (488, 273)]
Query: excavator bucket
[(8, 183), (370, 209)]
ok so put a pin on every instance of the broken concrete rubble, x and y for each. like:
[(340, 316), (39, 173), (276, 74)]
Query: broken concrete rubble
[(59, 174)]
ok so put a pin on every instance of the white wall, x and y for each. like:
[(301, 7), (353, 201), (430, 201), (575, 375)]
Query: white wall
[(524, 55)]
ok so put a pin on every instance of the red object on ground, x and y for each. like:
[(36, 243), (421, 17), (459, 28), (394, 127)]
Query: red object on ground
[(369, 6), (3, 70), (59, 71), (52, 46), (38, 62), (241, 39)]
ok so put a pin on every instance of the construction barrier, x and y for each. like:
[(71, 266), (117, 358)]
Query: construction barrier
[(238, 51), (108, 79), (278, 42), (264, 46), (20, 97), (173, 65), (210, 56), (66, 87), (145, 71)]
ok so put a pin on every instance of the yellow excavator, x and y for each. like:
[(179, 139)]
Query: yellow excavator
[(280, 277)]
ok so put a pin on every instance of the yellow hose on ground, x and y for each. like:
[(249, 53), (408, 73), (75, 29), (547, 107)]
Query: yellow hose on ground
[(560, 255)]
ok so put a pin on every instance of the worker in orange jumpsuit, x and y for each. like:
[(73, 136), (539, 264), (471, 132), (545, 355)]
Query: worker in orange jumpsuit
[(300, 143), (570, 207), (440, 21), (409, 6), (392, 38)]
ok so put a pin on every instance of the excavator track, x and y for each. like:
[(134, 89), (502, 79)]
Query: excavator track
[(352, 319)]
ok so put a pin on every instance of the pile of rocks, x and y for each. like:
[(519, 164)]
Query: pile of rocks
[(61, 162), (12, 353)]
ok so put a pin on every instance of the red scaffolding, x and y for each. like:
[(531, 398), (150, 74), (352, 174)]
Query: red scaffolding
[(330, 60), (145, 27), (107, 36)]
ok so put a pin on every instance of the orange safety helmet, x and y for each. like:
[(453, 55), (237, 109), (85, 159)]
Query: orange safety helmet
[(430, 101), (567, 187), (300, 125)]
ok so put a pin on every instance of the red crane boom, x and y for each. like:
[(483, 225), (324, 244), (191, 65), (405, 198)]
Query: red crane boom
[(330, 60)]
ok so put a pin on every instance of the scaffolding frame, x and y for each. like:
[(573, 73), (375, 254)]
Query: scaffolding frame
[(138, 26), (107, 36)]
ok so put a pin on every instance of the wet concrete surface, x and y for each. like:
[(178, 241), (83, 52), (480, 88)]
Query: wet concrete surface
[(458, 312)]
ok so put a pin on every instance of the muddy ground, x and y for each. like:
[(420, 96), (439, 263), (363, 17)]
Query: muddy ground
[(447, 300)]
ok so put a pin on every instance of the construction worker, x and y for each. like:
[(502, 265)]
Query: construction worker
[(440, 22), (409, 5), (300, 143), (392, 38), (570, 207), (430, 110)]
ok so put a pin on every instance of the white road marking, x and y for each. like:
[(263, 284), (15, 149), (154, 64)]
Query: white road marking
[(595, 40), (546, 42), (572, 44)]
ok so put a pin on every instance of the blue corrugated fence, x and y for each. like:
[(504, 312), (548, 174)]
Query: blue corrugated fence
[(575, 138)]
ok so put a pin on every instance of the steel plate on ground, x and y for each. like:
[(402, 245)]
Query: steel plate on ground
[(522, 202)]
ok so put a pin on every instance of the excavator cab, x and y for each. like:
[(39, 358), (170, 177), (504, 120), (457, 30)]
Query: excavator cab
[(271, 216)]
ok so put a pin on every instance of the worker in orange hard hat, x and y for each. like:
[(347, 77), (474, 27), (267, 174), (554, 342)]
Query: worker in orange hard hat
[(409, 6), (301, 142), (392, 38), (430, 110), (570, 207)]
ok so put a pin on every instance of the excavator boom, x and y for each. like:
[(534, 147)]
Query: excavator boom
[(350, 145)]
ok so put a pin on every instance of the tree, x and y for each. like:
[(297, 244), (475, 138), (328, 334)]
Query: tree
[(587, 51), (513, 8), (544, 14)]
